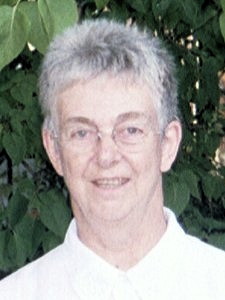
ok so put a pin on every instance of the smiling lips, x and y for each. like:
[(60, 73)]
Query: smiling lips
[(110, 183)]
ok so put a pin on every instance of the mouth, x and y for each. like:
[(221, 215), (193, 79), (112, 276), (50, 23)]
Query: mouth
[(110, 183)]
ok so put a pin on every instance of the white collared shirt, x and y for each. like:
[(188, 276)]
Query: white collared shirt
[(178, 267)]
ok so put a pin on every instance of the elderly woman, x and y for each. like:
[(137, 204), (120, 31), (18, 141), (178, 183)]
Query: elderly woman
[(111, 129)]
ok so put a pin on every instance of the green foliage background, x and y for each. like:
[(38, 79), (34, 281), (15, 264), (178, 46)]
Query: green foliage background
[(34, 206)]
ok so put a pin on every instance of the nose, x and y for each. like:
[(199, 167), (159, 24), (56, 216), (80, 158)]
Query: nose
[(107, 152)]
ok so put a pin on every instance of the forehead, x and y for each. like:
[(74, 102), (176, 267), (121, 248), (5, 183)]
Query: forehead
[(104, 99)]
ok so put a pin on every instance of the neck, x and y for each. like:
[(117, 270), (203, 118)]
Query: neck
[(124, 243)]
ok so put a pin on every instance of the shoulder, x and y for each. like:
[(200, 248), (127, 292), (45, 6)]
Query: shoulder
[(45, 278), (197, 267), (33, 280), (191, 247), (204, 254), (203, 268)]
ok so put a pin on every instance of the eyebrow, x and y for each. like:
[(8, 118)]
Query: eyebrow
[(81, 120), (131, 115), (121, 118)]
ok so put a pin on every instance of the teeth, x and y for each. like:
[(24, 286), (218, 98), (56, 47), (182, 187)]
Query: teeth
[(110, 182)]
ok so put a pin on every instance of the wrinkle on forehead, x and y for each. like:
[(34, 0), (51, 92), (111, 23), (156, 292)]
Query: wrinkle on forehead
[(127, 116)]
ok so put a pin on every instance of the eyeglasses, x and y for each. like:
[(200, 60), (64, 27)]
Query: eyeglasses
[(129, 136)]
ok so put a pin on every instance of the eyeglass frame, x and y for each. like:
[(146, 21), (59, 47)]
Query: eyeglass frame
[(99, 133)]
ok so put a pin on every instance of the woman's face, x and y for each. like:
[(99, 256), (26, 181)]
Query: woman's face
[(109, 181)]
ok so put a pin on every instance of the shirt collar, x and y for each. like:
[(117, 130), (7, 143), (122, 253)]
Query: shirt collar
[(153, 270), (94, 278), (90, 275)]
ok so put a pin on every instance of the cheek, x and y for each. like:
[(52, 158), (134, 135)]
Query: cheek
[(73, 168), (149, 171), (149, 162), (149, 175)]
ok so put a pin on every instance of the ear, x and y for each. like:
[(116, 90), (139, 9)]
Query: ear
[(170, 144), (53, 150)]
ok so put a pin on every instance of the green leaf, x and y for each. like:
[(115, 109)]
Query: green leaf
[(15, 146), (4, 106), (23, 233), (176, 195), (11, 250), (218, 240), (16, 209), (14, 28), (8, 2), (160, 7), (209, 76), (5, 263), (50, 241), (51, 12), (191, 181), (5, 190), (191, 9), (2, 249), (54, 212), (101, 3), (39, 232), (209, 90), (118, 11), (140, 5), (223, 201), (26, 187), (223, 4), (213, 186), (17, 118), (207, 16), (22, 92), (37, 36), (222, 24)]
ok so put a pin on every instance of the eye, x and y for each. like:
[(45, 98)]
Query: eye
[(79, 134), (133, 130), (130, 133), (82, 133)]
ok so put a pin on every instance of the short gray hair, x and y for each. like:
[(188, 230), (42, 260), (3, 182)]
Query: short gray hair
[(92, 48)]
